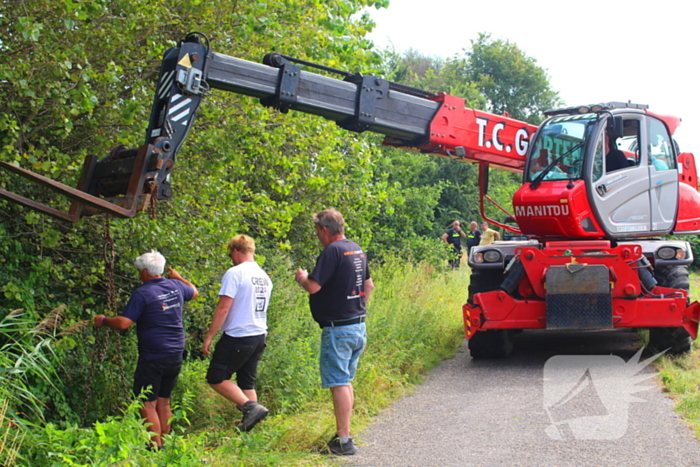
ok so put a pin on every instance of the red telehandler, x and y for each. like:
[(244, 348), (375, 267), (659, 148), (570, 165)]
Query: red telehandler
[(603, 187)]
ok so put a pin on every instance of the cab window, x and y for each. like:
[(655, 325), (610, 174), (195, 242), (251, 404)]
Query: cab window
[(629, 143), (598, 158), (659, 148)]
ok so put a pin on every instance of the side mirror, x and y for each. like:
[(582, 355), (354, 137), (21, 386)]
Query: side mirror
[(615, 129), (571, 175)]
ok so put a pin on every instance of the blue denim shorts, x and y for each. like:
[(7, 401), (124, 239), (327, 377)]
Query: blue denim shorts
[(341, 347)]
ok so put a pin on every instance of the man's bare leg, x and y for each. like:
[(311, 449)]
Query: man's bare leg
[(343, 400), (164, 415), (232, 392), (148, 412)]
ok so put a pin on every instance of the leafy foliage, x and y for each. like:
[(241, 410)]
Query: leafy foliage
[(695, 246), (78, 79), (511, 81)]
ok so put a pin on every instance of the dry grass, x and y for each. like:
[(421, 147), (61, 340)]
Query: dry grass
[(12, 437)]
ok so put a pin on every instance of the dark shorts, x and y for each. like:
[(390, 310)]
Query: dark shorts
[(161, 375), (238, 355)]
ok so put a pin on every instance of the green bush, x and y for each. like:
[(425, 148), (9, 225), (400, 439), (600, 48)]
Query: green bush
[(120, 440)]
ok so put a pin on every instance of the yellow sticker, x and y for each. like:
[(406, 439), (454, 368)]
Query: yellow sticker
[(185, 61)]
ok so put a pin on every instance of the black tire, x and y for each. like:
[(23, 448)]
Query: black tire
[(496, 343), (677, 340), (484, 280)]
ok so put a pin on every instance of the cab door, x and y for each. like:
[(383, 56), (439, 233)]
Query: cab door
[(621, 197), (659, 153)]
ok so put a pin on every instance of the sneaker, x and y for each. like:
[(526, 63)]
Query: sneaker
[(252, 414), (337, 448)]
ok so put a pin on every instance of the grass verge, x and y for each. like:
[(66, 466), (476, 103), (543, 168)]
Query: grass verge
[(681, 375)]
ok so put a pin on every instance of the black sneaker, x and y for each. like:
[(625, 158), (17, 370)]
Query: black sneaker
[(252, 414), (337, 448)]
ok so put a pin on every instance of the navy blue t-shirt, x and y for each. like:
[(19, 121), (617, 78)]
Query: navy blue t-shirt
[(341, 270), (454, 238), (473, 238), (156, 308)]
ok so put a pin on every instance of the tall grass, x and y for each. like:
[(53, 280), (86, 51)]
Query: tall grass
[(25, 351), (11, 436)]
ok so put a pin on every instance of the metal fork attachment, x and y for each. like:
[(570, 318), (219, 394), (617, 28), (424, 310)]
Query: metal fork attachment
[(121, 184)]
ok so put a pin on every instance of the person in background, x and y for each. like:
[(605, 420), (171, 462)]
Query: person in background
[(454, 236), (339, 288), (473, 237), (615, 159), (242, 315), (488, 235), (156, 308)]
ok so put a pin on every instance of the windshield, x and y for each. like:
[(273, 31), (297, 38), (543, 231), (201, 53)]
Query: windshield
[(562, 137)]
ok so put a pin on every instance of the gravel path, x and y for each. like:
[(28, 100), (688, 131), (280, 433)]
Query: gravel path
[(492, 413)]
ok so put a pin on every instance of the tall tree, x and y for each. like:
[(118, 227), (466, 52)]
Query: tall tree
[(495, 76), (510, 80)]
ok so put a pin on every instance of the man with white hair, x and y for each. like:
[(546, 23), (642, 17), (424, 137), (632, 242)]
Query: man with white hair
[(156, 308)]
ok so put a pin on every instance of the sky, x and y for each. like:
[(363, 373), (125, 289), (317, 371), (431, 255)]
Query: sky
[(646, 52)]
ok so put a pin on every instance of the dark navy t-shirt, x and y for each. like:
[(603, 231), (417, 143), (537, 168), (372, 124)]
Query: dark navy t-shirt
[(156, 308), (454, 238), (341, 270), (473, 238)]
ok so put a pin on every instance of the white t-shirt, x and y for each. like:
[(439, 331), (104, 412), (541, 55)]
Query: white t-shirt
[(250, 287)]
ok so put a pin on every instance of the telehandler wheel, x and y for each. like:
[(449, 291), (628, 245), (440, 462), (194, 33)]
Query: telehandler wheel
[(484, 280), (496, 343), (676, 340)]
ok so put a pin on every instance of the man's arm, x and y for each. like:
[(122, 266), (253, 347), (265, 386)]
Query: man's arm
[(118, 323), (444, 237), (173, 274), (217, 320), (497, 235), (310, 285), (369, 287)]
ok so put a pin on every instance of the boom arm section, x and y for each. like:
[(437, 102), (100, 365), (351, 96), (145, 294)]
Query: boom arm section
[(439, 124), (127, 180)]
